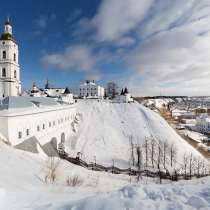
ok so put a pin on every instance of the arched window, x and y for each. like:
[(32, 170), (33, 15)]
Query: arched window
[(15, 74), (4, 54), (27, 132), (3, 72), (14, 57)]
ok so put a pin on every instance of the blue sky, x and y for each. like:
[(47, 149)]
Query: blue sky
[(151, 46), (41, 26)]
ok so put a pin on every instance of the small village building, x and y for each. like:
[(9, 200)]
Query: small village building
[(36, 92), (53, 92), (200, 110), (124, 97)]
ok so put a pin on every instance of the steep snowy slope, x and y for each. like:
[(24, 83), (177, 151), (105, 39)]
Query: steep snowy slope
[(105, 130)]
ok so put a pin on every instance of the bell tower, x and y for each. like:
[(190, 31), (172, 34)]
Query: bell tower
[(10, 84)]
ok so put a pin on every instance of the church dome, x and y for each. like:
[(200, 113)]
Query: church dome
[(7, 37), (7, 34)]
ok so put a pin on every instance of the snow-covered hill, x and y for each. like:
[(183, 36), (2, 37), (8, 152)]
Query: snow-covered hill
[(105, 130)]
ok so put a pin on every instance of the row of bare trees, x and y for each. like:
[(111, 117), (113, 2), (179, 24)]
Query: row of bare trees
[(157, 155)]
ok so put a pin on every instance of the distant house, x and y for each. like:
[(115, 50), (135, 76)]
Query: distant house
[(182, 114), (124, 97), (36, 92), (89, 89), (200, 110), (53, 92)]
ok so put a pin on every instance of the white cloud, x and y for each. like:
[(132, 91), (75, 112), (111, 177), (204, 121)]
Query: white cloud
[(176, 59), (125, 42), (77, 58), (164, 43), (116, 18), (172, 45)]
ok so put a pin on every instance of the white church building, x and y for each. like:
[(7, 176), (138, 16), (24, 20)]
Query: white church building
[(44, 121), (89, 89)]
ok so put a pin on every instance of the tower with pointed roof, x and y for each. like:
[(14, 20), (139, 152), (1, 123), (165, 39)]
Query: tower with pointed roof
[(10, 84)]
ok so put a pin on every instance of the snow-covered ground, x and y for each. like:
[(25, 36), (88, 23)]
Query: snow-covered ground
[(158, 103), (22, 184), (22, 188), (104, 131)]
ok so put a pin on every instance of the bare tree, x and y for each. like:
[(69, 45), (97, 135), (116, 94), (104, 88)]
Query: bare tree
[(139, 157), (132, 150), (51, 167), (152, 152), (185, 164), (146, 151), (165, 153), (159, 154), (139, 160), (203, 168), (190, 165), (173, 153), (198, 166)]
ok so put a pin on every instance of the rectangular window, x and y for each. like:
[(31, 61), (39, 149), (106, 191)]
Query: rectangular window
[(49, 124), (38, 128), (4, 56), (19, 134), (43, 126), (3, 72)]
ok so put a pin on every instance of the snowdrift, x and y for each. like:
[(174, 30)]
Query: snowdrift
[(149, 197), (104, 131)]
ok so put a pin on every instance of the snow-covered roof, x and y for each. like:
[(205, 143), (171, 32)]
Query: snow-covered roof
[(28, 105), (15, 102), (88, 83), (22, 105)]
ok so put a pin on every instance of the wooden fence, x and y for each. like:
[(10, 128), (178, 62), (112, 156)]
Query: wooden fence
[(129, 171)]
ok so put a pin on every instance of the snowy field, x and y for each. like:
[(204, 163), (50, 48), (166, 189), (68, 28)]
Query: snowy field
[(104, 131), (22, 188)]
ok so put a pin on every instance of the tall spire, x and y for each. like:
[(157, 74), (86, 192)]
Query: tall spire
[(8, 22), (7, 26)]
